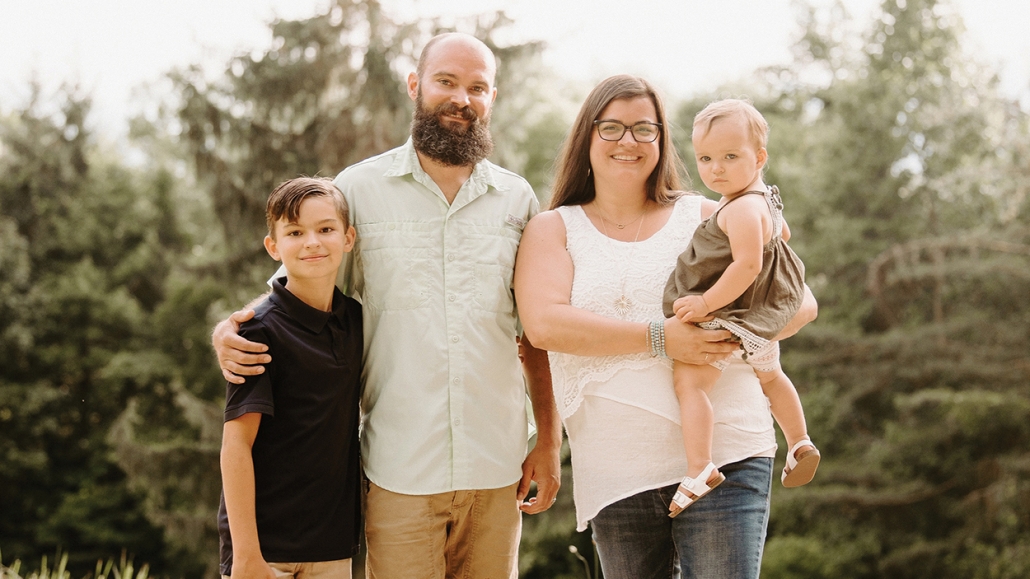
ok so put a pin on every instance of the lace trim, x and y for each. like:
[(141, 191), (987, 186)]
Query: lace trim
[(572, 376), (607, 269)]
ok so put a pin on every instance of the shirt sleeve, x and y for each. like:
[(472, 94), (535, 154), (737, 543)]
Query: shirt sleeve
[(531, 211), (350, 279), (254, 395)]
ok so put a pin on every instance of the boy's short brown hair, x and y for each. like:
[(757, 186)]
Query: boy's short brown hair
[(285, 200), (738, 108)]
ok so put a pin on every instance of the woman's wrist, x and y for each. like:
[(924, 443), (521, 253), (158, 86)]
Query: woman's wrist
[(656, 338)]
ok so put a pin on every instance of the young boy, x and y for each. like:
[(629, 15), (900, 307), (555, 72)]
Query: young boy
[(291, 502)]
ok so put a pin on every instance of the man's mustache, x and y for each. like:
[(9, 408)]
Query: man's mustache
[(465, 113)]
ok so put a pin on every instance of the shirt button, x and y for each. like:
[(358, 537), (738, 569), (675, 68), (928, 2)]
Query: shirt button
[(457, 422), (450, 298), (454, 339), (456, 380), (450, 257)]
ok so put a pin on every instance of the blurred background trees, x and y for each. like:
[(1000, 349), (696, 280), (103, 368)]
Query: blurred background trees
[(905, 176)]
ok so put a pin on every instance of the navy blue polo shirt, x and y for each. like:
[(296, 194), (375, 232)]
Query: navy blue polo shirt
[(306, 455)]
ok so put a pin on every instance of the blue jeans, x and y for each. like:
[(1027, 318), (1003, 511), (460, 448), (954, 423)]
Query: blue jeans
[(719, 537)]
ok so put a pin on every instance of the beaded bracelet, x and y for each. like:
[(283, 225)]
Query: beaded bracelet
[(656, 338)]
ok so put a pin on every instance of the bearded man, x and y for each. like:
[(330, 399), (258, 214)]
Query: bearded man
[(444, 436)]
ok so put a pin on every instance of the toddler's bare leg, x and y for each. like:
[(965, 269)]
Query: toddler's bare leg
[(802, 456), (692, 386), (785, 405)]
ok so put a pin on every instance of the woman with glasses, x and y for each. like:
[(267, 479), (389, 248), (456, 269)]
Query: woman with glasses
[(588, 281)]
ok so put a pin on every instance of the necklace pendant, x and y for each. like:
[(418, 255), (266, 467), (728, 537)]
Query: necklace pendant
[(623, 305), (620, 226)]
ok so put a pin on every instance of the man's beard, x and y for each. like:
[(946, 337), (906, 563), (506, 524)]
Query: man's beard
[(450, 143)]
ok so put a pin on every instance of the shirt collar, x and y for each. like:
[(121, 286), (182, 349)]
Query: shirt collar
[(406, 163), (311, 318)]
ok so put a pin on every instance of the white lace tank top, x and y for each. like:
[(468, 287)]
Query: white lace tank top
[(620, 412), (607, 269)]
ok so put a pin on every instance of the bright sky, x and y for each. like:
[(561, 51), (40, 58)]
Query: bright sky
[(683, 46)]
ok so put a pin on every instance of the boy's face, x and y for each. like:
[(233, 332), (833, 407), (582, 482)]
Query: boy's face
[(312, 247), (728, 160)]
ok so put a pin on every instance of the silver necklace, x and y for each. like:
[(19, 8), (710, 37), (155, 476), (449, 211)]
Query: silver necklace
[(623, 225), (623, 304)]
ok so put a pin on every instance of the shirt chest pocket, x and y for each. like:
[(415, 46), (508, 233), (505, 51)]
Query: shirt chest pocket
[(492, 257), (400, 263)]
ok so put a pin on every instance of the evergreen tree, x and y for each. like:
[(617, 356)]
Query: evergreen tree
[(83, 260)]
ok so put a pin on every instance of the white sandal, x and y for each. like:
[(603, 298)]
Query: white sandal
[(800, 468), (692, 489)]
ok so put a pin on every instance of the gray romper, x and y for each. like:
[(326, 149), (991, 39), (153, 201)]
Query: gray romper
[(761, 312)]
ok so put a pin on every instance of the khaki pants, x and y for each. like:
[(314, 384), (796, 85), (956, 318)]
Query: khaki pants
[(339, 569), (461, 534)]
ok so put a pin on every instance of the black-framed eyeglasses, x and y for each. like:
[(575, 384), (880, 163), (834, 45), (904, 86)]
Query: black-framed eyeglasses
[(643, 132)]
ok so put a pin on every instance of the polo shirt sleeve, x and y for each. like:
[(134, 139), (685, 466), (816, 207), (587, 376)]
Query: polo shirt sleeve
[(254, 395)]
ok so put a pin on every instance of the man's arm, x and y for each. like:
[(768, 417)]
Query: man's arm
[(238, 357), (543, 464), (238, 484)]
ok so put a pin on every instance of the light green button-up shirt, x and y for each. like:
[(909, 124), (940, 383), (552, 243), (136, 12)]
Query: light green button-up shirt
[(444, 400)]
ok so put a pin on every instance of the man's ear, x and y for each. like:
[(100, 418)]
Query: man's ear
[(271, 248), (412, 86)]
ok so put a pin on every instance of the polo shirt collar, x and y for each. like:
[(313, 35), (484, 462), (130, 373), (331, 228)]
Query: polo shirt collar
[(311, 318), (406, 163)]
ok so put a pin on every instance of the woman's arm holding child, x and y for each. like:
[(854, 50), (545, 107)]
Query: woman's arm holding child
[(543, 289)]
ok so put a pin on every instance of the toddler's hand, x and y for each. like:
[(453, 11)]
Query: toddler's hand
[(690, 308)]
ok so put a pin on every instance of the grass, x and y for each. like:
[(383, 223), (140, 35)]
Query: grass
[(109, 570)]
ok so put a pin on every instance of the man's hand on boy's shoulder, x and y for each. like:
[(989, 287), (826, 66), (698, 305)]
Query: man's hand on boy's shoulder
[(238, 357)]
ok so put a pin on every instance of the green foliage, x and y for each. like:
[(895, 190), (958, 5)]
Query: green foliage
[(905, 177), (87, 266), (329, 92)]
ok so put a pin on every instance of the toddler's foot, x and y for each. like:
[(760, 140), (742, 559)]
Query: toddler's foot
[(692, 489), (802, 461)]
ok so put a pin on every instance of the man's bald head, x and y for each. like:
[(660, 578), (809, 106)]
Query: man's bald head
[(456, 42)]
